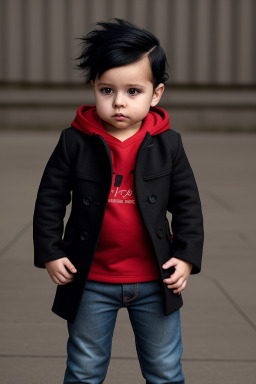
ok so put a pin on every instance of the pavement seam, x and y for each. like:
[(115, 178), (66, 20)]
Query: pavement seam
[(15, 239), (231, 300)]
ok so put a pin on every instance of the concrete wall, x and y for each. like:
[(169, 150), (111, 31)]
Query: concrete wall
[(210, 45)]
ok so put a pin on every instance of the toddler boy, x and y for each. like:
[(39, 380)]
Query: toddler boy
[(126, 169)]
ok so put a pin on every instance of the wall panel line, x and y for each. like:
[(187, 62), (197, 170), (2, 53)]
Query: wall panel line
[(206, 41)]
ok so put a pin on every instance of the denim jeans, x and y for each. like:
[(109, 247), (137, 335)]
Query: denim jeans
[(157, 337)]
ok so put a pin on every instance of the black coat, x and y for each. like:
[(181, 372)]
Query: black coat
[(80, 169)]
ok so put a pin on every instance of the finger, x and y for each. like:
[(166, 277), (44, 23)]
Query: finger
[(56, 280), (170, 263), (63, 279), (60, 281), (182, 287), (177, 285), (62, 268), (64, 272), (173, 278), (69, 265)]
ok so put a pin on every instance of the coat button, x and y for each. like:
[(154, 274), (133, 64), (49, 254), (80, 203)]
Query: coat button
[(84, 236), (87, 200), (152, 199), (160, 233)]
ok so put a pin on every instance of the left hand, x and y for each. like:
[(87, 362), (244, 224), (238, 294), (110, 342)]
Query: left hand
[(178, 280)]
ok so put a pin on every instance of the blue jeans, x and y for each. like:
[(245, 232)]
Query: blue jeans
[(157, 337)]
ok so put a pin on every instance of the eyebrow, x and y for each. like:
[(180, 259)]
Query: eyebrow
[(105, 84), (128, 85), (136, 86)]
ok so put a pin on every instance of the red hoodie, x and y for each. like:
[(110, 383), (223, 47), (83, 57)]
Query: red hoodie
[(124, 253)]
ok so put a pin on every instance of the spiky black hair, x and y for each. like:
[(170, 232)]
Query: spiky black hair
[(118, 43)]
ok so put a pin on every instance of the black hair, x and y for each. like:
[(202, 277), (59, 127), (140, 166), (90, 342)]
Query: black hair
[(119, 43)]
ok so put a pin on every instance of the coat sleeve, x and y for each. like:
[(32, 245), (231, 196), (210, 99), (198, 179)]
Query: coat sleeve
[(185, 207), (53, 195)]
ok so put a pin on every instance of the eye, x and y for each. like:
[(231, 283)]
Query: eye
[(107, 91), (133, 91)]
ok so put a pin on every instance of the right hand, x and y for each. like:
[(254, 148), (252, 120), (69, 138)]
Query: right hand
[(58, 272)]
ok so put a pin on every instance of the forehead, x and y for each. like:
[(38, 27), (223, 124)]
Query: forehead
[(137, 72)]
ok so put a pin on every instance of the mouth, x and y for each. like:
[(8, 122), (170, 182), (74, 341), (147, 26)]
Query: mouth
[(119, 116)]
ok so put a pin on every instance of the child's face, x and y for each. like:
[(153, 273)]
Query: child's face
[(124, 96)]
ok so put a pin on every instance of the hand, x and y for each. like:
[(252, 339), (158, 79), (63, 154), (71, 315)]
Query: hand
[(58, 272), (178, 280)]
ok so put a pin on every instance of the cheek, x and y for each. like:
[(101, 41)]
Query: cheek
[(145, 102), (143, 107), (101, 105)]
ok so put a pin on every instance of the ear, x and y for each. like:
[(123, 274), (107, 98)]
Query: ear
[(158, 91), (92, 83)]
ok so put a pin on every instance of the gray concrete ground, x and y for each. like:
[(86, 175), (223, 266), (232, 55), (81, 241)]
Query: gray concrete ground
[(219, 313)]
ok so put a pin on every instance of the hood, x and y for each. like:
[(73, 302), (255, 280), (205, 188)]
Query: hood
[(88, 121)]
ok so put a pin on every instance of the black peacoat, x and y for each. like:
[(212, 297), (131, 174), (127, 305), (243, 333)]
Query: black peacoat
[(80, 169)]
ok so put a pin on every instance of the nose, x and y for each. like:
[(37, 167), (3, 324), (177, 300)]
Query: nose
[(119, 100)]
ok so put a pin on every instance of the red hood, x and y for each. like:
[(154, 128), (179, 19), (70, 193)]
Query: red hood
[(87, 121)]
